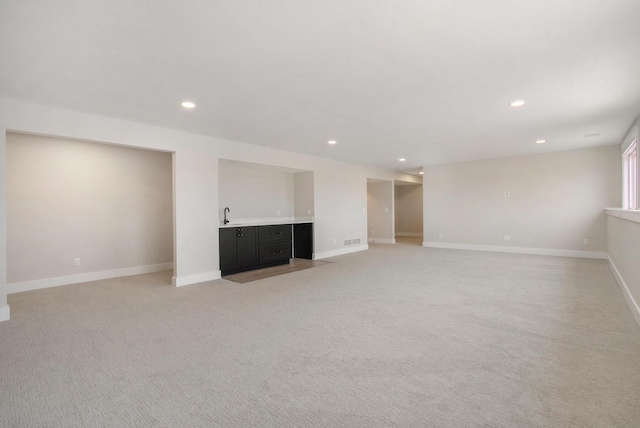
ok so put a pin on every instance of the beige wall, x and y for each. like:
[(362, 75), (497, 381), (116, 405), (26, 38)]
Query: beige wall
[(303, 194), (408, 209), (339, 189), (556, 200), (109, 206), (380, 212), (623, 237), (255, 191), (623, 241)]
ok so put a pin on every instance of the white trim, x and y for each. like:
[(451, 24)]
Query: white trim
[(409, 234), (340, 252), (381, 241), (4, 313), (518, 250), (18, 287), (195, 279), (628, 139), (631, 215), (633, 305)]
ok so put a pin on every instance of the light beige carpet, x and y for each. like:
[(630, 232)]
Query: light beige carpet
[(397, 336)]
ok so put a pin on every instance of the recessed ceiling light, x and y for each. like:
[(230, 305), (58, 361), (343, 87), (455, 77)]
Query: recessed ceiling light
[(332, 142), (188, 104), (402, 159), (516, 103), (421, 173), (541, 141)]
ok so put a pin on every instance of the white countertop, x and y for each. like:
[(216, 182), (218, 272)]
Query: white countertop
[(246, 222)]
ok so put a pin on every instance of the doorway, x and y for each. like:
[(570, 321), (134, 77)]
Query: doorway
[(408, 202)]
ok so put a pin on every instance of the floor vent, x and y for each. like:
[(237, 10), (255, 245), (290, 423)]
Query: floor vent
[(353, 241)]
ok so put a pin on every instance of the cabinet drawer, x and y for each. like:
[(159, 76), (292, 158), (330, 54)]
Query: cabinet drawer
[(277, 233), (275, 252)]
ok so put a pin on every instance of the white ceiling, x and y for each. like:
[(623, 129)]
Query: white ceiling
[(426, 80)]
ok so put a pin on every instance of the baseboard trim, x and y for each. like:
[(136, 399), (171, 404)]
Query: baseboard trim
[(409, 234), (341, 252), (179, 281), (4, 313), (633, 305), (381, 241), (18, 287), (518, 250)]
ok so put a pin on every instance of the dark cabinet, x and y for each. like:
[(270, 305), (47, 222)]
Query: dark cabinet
[(274, 244), (228, 249), (238, 249), (247, 248)]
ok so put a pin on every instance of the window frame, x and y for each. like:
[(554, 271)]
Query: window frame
[(631, 179)]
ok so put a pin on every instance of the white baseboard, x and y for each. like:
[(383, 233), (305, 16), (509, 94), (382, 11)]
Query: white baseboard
[(518, 250), (633, 305), (37, 284), (179, 281), (409, 234), (340, 252), (381, 241), (4, 313)]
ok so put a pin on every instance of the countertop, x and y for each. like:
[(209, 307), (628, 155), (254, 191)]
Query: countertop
[(246, 222)]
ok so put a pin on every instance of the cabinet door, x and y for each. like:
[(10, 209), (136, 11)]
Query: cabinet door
[(228, 249), (247, 246)]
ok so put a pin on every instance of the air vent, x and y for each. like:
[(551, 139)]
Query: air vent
[(592, 135), (353, 241)]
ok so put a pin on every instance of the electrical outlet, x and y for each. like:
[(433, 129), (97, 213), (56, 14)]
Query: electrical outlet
[(76, 262), (507, 238), (585, 241), (308, 212), (278, 212), (373, 232), (507, 194), (440, 235)]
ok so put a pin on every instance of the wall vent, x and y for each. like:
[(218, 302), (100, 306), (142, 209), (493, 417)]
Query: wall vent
[(353, 241)]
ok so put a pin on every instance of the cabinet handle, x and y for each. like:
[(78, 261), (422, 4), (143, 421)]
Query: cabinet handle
[(276, 233), (276, 252)]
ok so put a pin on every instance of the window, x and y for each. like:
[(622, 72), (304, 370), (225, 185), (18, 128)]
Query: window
[(630, 159)]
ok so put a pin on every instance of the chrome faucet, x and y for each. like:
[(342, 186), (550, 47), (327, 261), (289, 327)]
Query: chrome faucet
[(226, 210)]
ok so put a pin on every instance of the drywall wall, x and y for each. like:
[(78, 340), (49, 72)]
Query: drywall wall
[(108, 206), (380, 212), (555, 201), (340, 198), (408, 209), (623, 249), (623, 240), (340, 210), (255, 191), (303, 194)]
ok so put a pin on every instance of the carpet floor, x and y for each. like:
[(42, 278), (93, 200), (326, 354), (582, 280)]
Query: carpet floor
[(396, 336)]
